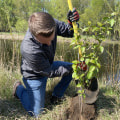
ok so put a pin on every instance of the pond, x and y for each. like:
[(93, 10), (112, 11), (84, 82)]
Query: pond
[(110, 59)]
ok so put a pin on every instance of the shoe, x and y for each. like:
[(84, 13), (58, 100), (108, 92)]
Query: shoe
[(56, 100), (16, 84)]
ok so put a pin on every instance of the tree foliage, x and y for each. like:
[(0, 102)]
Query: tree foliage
[(14, 14), (57, 8)]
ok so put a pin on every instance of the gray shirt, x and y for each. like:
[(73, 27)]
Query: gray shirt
[(37, 58)]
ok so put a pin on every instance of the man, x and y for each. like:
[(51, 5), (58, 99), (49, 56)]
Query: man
[(38, 51)]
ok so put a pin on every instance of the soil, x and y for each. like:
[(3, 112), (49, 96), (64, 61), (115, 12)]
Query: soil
[(74, 112)]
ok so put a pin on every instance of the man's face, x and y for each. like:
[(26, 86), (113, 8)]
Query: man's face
[(45, 40)]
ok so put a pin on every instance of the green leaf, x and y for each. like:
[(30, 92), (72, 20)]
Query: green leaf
[(84, 96), (101, 49), (92, 61), (103, 28), (82, 75), (92, 68), (83, 49), (95, 29), (95, 72), (89, 75), (98, 65), (74, 75), (76, 47), (112, 22), (99, 24), (78, 85), (87, 81), (81, 59), (75, 62), (79, 92), (108, 32), (74, 66), (87, 60), (72, 43), (85, 29), (114, 13), (89, 23)]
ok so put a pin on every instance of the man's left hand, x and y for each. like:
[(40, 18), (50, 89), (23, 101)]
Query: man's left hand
[(73, 16)]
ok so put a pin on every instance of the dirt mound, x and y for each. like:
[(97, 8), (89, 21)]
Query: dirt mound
[(74, 111)]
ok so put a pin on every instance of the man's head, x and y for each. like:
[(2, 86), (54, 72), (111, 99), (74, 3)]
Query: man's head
[(42, 26)]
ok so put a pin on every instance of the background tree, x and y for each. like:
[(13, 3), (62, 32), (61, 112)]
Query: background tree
[(92, 12), (24, 9), (81, 5), (6, 15), (57, 8), (14, 14)]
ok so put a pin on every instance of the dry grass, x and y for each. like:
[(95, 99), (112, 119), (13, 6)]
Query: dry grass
[(11, 108), (108, 103)]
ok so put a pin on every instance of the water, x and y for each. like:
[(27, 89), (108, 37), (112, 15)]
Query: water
[(10, 53), (110, 59)]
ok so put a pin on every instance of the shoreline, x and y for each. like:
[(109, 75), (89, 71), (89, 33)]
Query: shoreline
[(15, 36), (11, 36)]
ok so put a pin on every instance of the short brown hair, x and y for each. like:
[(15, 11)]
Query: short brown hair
[(41, 23)]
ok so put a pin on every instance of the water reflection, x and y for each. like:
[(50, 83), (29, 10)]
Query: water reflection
[(110, 59), (10, 53)]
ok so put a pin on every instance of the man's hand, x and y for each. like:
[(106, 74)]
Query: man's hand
[(72, 16)]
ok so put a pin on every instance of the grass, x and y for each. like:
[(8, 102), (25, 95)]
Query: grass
[(11, 108), (108, 103)]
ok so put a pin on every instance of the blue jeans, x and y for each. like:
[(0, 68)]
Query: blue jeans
[(33, 96)]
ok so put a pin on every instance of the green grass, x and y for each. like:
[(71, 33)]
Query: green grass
[(108, 103), (11, 108)]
